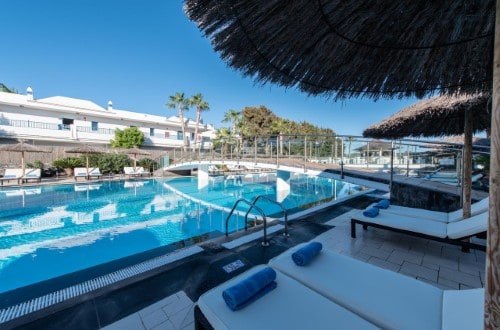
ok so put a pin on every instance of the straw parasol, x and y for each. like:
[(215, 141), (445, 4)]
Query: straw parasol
[(376, 49), (22, 148), (136, 151), (86, 150), (439, 116)]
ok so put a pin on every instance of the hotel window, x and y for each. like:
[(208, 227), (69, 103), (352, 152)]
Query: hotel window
[(167, 134), (192, 136), (179, 135), (95, 126), (151, 132)]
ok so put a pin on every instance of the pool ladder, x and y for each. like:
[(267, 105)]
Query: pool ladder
[(253, 206)]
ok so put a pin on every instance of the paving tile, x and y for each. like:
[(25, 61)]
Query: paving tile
[(384, 264), (183, 317), (462, 278), (131, 322), (167, 325), (153, 319), (376, 253), (442, 262), (398, 257), (158, 305), (447, 284), (419, 271), (172, 309)]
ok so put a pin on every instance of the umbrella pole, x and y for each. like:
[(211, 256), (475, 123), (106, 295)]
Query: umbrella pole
[(87, 163), (467, 166), (492, 286)]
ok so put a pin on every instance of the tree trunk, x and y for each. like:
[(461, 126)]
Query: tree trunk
[(492, 287), (181, 119), (198, 118)]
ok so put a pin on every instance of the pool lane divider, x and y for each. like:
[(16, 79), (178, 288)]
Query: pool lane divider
[(36, 304)]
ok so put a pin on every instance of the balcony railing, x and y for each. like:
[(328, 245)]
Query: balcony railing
[(31, 124), (85, 129)]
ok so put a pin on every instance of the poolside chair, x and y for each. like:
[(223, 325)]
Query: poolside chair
[(290, 305), (140, 171), (80, 172), (95, 172), (130, 171), (12, 174), (476, 208), (32, 174), (387, 299), (455, 232)]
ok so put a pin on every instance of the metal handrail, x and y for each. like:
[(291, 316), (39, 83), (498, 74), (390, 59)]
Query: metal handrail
[(265, 242), (274, 202)]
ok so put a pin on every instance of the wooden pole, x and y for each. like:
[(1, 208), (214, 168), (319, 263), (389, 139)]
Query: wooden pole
[(492, 287), (467, 165)]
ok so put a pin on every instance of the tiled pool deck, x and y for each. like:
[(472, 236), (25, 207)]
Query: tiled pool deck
[(442, 265)]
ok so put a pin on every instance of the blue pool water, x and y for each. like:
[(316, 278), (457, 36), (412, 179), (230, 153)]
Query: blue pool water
[(50, 231)]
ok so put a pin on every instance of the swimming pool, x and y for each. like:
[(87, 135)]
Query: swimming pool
[(60, 230)]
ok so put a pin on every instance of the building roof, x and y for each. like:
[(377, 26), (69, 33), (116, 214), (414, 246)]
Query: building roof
[(71, 102)]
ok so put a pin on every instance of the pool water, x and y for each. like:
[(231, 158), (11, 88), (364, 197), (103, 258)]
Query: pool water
[(50, 231)]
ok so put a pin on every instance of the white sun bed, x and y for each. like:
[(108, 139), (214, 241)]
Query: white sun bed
[(95, 172), (476, 208), (290, 305), (387, 299), (12, 174), (32, 174), (453, 232)]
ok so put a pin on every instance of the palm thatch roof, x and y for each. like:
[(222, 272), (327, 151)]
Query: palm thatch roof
[(438, 116), (85, 149), (350, 48)]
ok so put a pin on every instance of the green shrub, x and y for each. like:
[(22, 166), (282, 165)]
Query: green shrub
[(69, 162), (35, 164), (109, 163), (148, 164)]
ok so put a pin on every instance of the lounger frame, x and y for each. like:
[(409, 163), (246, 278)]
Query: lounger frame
[(462, 241)]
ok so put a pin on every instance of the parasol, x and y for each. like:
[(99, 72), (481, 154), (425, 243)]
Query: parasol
[(136, 151), (86, 150), (22, 148)]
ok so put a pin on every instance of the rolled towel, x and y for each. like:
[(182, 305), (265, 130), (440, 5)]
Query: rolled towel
[(383, 204), (305, 254), (371, 212), (250, 289)]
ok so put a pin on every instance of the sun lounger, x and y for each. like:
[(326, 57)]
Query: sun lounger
[(12, 174), (290, 305), (387, 299), (134, 172), (32, 174), (94, 172), (455, 232), (476, 208), (80, 172)]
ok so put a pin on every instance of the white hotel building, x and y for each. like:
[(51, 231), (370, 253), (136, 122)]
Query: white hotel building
[(65, 121)]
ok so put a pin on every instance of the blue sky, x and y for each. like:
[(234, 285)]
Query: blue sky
[(138, 53)]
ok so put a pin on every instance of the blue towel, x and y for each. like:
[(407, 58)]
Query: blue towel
[(383, 204), (9, 176), (250, 289), (371, 212), (305, 254)]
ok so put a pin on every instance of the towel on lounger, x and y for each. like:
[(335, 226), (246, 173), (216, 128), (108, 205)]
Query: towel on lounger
[(371, 212), (250, 289), (305, 254), (383, 204)]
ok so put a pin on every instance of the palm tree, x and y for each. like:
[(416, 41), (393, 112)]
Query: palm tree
[(233, 117), (280, 126), (222, 136), (178, 101), (201, 105), (350, 139)]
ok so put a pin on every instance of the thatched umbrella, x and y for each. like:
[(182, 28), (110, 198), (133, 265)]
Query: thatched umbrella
[(136, 151), (22, 148), (86, 150), (377, 49), (440, 116)]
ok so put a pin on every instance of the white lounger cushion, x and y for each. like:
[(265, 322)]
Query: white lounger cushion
[(463, 309), (95, 171), (385, 298), (80, 171), (13, 173), (417, 225), (468, 227), (33, 173), (476, 208), (290, 306)]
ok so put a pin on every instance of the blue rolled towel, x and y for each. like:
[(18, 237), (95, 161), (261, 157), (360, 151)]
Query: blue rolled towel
[(383, 204), (250, 289), (371, 212), (305, 254)]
